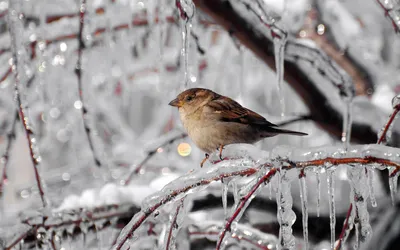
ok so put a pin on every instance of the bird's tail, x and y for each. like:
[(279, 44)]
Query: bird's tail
[(284, 131)]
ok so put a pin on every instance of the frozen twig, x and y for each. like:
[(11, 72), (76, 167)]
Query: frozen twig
[(150, 154), (394, 17), (5, 158), (380, 140), (171, 194), (169, 242), (59, 221), (387, 126), (138, 220), (241, 205), (33, 150), (78, 71)]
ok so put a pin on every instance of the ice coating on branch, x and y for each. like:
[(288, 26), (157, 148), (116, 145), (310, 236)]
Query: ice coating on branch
[(304, 208), (179, 188), (279, 53), (393, 179), (176, 219), (331, 192), (359, 184), (286, 215)]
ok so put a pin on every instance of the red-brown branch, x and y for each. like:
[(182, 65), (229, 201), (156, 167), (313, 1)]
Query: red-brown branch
[(242, 203), (78, 71), (395, 27), (345, 226), (387, 126), (173, 222), (25, 122)]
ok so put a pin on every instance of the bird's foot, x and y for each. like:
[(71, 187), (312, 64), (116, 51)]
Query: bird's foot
[(204, 160)]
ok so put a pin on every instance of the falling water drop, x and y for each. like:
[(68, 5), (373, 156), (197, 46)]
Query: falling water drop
[(279, 51)]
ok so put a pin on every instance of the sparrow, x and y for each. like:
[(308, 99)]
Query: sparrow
[(213, 121)]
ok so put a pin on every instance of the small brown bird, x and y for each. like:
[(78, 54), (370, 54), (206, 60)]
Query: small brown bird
[(213, 121)]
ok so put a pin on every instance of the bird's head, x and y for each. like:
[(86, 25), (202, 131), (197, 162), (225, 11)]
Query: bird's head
[(192, 99)]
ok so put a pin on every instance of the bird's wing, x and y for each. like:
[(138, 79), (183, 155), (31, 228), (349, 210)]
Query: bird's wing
[(230, 111)]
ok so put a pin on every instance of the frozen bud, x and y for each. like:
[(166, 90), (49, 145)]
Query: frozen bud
[(396, 101)]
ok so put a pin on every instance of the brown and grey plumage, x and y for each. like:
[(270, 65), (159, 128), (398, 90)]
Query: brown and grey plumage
[(213, 121)]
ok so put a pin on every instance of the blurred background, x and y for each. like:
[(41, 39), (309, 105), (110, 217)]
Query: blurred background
[(94, 80)]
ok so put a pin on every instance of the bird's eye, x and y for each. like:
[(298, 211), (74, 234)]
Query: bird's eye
[(189, 98)]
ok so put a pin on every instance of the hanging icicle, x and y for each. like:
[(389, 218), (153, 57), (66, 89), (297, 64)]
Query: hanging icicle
[(186, 9), (279, 51), (286, 215), (331, 192), (304, 206)]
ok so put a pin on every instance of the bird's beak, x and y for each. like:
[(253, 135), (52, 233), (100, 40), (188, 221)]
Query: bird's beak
[(176, 103)]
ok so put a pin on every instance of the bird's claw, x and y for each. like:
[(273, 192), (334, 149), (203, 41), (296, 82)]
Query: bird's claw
[(204, 160), (220, 152)]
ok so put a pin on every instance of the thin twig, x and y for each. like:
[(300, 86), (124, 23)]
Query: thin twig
[(345, 226), (78, 71), (35, 157), (149, 155), (173, 224), (242, 203), (387, 126), (6, 155), (394, 23)]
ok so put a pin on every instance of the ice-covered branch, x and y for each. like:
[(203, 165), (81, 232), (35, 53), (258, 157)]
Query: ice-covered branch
[(392, 10), (15, 27), (359, 156), (78, 71)]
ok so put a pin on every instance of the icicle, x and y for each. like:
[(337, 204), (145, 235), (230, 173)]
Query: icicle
[(317, 175), (347, 122), (357, 235), (359, 183), (279, 51), (331, 198), (186, 8), (393, 184), (235, 192), (270, 191), (286, 215), (225, 188), (370, 175), (304, 211)]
